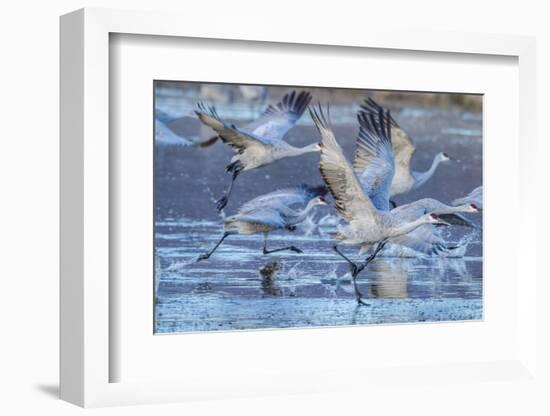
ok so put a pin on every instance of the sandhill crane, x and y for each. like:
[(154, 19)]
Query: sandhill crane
[(405, 179), (368, 227), (474, 197), (165, 135), (376, 165), (260, 142), (448, 213), (272, 211)]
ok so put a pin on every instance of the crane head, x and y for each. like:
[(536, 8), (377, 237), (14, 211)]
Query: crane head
[(320, 200), (474, 208), (433, 218)]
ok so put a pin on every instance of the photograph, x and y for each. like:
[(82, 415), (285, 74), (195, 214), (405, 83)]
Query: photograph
[(283, 206)]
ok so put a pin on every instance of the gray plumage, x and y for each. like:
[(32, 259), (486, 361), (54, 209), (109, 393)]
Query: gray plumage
[(405, 179), (475, 197), (260, 142), (367, 226), (278, 210), (374, 162), (165, 135), (275, 210), (427, 239)]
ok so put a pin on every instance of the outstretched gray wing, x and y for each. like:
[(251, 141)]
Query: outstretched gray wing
[(424, 239), (269, 216), (373, 160), (238, 139), (286, 197), (403, 146), (352, 203), (475, 197), (164, 135), (278, 119)]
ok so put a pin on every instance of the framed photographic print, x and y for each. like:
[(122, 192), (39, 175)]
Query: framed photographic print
[(270, 251), (236, 209)]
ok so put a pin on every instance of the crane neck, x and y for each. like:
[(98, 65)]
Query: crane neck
[(297, 151), (422, 177), (407, 227), (304, 213)]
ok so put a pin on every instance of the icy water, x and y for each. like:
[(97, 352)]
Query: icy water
[(230, 292)]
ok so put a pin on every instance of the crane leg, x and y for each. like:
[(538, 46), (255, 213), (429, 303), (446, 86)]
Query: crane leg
[(291, 248), (352, 265), (207, 255), (377, 250), (358, 295), (234, 168), (355, 270)]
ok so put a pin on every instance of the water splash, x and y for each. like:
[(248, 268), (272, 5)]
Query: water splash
[(329, 220), (332, 281), (308, 226), (179, 265), (295, 272), (462, 244)]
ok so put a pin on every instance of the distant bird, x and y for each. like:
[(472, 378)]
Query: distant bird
[(474, 197), (272, 211), (448, 213), (368, 227), (426, 239), (260, 142), (405, 179), (165, 135), (375, 162)]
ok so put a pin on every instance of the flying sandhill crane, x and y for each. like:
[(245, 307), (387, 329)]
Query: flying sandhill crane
[(165, 135), (368, 227), (405, 179), (474, 197), (272, 211), (260, 142), (374, 159)]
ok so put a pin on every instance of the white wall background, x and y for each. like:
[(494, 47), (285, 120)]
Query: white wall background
[(29, 205)]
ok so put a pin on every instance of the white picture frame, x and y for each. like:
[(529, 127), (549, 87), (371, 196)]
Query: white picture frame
[(86, 355)]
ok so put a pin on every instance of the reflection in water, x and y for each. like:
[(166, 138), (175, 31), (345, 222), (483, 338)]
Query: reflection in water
[(388, 279), (268, 274)]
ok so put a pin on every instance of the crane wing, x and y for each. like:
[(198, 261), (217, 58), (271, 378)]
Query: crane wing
[(476, 197), (424, 239), (278, 119), (238, 139), (351, 201), (271, 217), (403, 146), (287, 197), (164, 135), (373, 162)]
